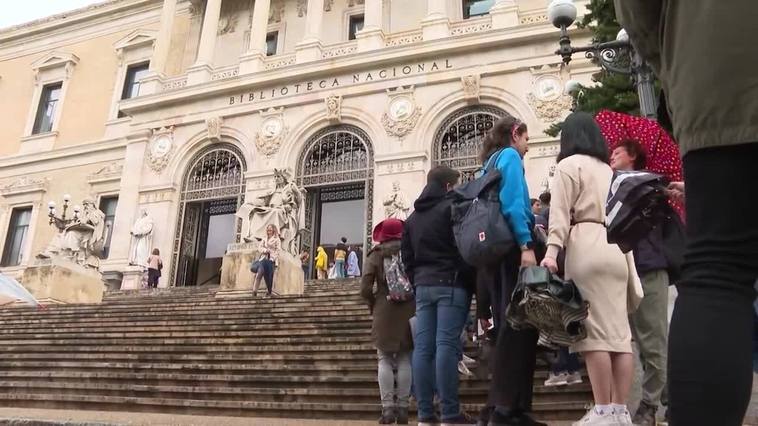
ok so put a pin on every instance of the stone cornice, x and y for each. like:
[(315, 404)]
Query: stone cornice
[(19, 160), (353, 63)]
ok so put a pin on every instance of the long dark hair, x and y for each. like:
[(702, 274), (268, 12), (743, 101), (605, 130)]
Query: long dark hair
[(580, 134), (500, 135)]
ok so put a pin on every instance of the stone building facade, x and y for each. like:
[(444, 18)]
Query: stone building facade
[(184, 108)]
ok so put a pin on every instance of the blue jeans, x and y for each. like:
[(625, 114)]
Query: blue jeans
[(339, 268), (441, 314)]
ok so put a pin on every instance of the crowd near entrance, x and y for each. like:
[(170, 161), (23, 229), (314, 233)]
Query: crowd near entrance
[(336, 169), (213, 189)]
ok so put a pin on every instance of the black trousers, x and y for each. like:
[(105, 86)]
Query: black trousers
[(515, 351), (710, 340)]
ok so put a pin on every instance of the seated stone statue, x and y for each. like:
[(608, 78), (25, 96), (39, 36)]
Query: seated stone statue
[(280, 207)]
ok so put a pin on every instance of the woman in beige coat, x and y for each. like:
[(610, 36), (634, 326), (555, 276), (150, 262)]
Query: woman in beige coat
[(600, 270)]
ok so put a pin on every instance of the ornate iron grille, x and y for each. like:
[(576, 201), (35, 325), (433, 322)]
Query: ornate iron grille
[(216, 173), (336, 155), (333, 157), (459, 139)]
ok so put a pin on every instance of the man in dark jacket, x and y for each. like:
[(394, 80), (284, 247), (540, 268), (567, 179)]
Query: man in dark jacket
[(650, 321), (443, 300)]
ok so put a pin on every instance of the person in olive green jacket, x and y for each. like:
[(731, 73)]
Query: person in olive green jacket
[(705, 56)]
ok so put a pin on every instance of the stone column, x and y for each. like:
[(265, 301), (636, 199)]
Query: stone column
[(504, 14), (252, 60), (309, 49), (128, 197), (151, 83), (436, 25), (201, 71), (371, 37)]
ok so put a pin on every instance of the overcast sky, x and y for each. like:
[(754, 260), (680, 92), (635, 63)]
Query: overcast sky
[(18, 12)]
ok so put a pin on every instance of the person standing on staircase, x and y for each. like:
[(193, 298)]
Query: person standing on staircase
[(322, 263), (269, 251), (391, 328), (443, 286), (340, 255)]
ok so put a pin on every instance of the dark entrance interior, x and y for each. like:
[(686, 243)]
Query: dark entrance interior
[(209, 226)]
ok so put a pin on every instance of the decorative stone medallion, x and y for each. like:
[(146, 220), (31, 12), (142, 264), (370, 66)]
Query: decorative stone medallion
[(547, 98), (272, 132), (160, 148), (402, 112), (471, 87), (213, 126)]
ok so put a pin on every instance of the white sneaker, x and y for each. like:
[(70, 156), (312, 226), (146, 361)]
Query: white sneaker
[(560, 379), (592, 418), (470, 362), (624, 418), (464, 370), (574, 378)]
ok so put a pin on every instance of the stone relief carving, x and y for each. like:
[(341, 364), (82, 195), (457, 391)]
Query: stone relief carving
[(276, 12), (547, 97), (302, 8), (333, 108), (328, 5), (230, 12), (352, 3), (213, 126), (160, 148), (25, 184), (272, 132), (111, 171), (396, 204), (80, 238), (402, 112), (142, 240), (471, 87), (279, 206)]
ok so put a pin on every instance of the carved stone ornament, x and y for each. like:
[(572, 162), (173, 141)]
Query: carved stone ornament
[(160, 148), (272, 133), (471, 87), (328, 5), (230, 11), (333, 108), (213, 126), (111, 171), (25, 184), (276, 12), (352, 3), (547, 98), (402, 112), (302, 8)]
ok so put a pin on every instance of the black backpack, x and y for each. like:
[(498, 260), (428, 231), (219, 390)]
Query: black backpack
[(481, 232)]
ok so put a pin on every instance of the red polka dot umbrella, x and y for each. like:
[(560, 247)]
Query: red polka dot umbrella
[(662, 152)]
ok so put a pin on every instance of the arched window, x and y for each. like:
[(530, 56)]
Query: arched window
[(459, 139)]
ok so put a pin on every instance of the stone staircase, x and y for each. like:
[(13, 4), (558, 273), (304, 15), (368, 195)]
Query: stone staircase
[(185, 351)]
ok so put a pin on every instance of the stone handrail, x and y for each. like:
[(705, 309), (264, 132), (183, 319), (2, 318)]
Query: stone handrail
[(226, 72), (340, 49), (174, 83), (470, 26), (533, 17), (279, 61)]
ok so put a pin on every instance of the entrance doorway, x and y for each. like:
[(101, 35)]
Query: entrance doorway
[(336, 169), (212, 191)]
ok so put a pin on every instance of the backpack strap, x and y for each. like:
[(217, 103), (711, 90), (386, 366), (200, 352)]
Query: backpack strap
[(492, 161)]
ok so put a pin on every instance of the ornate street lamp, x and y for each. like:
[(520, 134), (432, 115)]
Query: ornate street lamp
[(62, 222), (616, 56)]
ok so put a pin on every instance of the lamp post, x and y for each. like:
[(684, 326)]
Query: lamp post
[(62, 222), (617, 56)]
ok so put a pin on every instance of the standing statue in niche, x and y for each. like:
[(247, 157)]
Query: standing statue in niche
[(396, 205), (280, 207), (142, 240)]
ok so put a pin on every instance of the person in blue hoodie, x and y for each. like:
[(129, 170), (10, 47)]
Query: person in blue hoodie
[(510, 396)]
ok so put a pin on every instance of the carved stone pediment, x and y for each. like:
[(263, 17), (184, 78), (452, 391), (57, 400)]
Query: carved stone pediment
[(112, 171), (23, 185)]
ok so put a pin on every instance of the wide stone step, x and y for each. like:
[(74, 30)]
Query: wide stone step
[(229, 341), (207, 358), (355, 325), (240, 321), (200, 349), (342, 410), (251, 332), (472, 394)]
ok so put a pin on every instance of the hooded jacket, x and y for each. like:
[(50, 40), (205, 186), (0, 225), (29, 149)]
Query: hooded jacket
[(322, 259), (429, 252)]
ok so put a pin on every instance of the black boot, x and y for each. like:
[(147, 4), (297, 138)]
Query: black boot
[(388, 416), (402, 416)]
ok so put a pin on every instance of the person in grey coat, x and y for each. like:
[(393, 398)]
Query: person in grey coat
[(703, 55)]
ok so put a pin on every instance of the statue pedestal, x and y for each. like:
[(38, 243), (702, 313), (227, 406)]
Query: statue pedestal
[(132, 279), (237, 278), (63, 281)]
